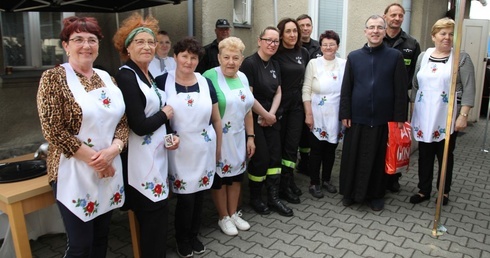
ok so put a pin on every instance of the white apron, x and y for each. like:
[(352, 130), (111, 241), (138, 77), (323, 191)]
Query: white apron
[(234, 142), (78, 187), (191, 166), (325, 104), (147, 155), (432, 100)]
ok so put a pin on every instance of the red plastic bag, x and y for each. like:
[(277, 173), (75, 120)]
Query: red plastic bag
[(398, 149)]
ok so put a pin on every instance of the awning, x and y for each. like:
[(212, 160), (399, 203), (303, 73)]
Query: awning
[(101, 6)]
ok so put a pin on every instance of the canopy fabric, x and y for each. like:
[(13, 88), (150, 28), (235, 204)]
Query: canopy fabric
[(102, 6)]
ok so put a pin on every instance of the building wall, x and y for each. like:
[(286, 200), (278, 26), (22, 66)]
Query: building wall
[(19, 123)]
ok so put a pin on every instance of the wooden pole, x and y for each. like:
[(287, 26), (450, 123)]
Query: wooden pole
[(458, 29)]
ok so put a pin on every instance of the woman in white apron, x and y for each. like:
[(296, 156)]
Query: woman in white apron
[(197, 122), (81, 112), (321, 99), (430, 96), (146, 162), (235, 101)]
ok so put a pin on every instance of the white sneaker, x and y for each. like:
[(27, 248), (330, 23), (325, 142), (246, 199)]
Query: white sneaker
[(227, 226), (239, 222)]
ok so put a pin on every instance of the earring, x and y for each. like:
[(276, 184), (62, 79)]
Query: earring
[(67, 53)]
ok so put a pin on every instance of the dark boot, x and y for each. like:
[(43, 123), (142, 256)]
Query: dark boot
[(256, 198), (285, 191), (294, 187), (304, 159), (272, 184)]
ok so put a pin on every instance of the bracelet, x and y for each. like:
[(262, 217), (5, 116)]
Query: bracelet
[(119, 147), (463, 114), (251, 135)]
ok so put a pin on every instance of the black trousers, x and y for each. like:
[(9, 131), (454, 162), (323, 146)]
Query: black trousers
[(188, 213), (291, 127), (322, 154), (304, 141), (267, 151), (84, 239), (153, 230), (427, 153)]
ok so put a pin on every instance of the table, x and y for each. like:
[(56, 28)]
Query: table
[(21, 198)]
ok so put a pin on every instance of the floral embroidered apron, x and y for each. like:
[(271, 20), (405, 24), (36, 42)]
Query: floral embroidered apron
[(432, 100), (147, 155), (193, 164), (79, 187), (234, 143), (325, 104)]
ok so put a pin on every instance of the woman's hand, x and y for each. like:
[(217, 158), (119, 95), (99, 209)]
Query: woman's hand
[(102, 159), (109, 171), (250, 146), (309, 121), (169, 111), (175, 142), (347, 123), (218, 154), (268, 120), (461, 123)]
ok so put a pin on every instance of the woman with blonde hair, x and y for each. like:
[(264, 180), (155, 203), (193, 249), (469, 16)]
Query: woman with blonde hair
[(431, 86), (145, 162), (235, 101)]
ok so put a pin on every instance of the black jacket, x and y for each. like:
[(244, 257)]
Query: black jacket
[(313, 48), (410, 49), (374, 87), (210, 58)]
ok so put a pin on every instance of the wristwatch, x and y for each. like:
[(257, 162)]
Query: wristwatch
[(463, 114), (251, 135)]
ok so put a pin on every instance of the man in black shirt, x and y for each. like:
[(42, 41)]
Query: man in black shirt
[(313, 47), (307, 42), (210, 58), (409, 47)]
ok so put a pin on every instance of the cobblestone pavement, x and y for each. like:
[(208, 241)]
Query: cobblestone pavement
[(325, 228)]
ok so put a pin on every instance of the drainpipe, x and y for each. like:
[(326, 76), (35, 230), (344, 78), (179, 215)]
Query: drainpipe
[(407, 5), (275, 12), (190, 18)]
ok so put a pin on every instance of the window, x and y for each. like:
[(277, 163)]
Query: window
[(242, 12), (330, 17), (31, 39)]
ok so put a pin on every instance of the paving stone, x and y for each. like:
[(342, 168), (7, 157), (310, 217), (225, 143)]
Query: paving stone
[(399, 251), (306, 243), (372, 252), (383, 228), (303, 252), (261, 240), (471, 235), (319, 221), (378, 245), (327, 246), (423, 248), (325, 228), (287, 248), (479, 245)]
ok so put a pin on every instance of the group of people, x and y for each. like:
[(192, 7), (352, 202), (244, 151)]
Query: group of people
[(158, 127)]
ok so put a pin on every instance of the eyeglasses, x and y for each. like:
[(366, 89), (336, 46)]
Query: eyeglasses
[(79, 41), (142, 43), (270, 41), (329, 45), (375, 27)]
